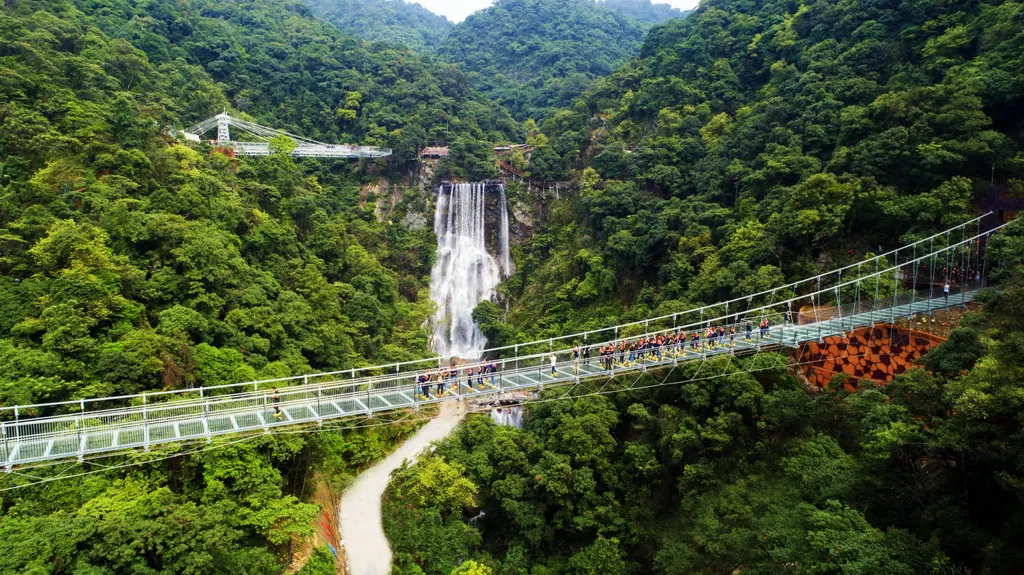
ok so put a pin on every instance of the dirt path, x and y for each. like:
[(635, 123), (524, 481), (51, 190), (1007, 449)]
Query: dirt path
[(362, 533)]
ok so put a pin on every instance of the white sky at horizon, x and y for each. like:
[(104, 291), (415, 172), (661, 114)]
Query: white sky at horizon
[(457, 10)]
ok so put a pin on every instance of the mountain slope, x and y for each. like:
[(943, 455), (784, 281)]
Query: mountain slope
[(198, 263), (537, 55), (392, 21), (752, 142), (130, 262), (644, 10)]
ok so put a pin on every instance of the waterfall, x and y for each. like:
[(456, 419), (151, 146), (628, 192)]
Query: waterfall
[(510, 416), (506, 260), (465, 273)]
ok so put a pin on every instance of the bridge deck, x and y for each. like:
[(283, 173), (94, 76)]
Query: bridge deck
[(77, 435)]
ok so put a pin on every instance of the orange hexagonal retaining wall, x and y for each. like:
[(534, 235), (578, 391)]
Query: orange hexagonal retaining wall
[(877, 353)]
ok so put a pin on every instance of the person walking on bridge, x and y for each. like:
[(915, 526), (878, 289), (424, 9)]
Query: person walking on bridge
[(424, 382), (554, 360), (945, 290), (275, 399)]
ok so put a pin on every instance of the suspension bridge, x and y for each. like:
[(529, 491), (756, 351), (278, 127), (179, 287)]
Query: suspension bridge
[(901, 283), (260, 136)]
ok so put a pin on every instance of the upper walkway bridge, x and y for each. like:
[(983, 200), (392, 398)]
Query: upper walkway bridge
[(907, 281), (304, 147)]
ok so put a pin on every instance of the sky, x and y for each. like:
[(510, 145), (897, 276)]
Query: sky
[(457, 10)]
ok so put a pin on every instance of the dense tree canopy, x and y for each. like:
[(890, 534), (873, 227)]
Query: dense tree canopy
[(751, 143), (644, 10), (392, 21), (130, 261), (746, 471), (534, 56), (755, 142)]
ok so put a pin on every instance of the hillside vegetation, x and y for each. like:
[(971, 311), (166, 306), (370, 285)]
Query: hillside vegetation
[(750, 143), (743, 472), (533, 56), (391, 21), (130, 262), (644, 10), (754, 142)]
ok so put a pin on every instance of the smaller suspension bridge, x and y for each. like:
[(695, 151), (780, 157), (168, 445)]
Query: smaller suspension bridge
[(260, 136), (942, 271)]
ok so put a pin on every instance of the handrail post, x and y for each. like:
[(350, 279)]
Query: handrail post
[(782, 330), (814, 304), (319, 413), (984, 263), (895, 292), (839, 310), (913, 286), (206, 420), (931, 278), (145, 424), (963, 272), (839, 302), (7, 447), (266, 414), (81, 440)]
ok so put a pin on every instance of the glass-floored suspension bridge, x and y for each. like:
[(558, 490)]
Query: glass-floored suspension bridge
[(900, 283)]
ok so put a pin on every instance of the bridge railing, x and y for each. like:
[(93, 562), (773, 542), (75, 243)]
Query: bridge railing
[(781, 298), (110, 415)]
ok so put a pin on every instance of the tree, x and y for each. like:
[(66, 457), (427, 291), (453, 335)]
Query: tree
[(470, 567), (816, 209)]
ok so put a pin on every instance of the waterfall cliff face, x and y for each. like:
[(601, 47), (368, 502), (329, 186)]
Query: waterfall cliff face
[(465, 273)]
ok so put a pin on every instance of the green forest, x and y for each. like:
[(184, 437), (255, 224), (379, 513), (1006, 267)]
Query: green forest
[(743, 473), (131, 262), (754, 143), (534, 56), (747, 145), (531, 56), (644, 10), (394, 22)]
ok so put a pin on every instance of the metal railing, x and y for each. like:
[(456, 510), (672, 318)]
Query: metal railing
[(72, 429)]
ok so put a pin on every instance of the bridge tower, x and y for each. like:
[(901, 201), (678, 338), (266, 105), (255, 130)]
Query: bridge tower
[(223, 133)]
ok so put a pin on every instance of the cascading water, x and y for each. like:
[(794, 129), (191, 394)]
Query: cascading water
[(506, 260), (465, 273), (510, 416)]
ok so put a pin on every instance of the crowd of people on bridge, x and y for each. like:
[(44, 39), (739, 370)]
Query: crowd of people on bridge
[(630, 351), (447, 379), (954, 275), (625, 352)]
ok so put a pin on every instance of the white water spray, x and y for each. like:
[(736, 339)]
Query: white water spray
[(464, 274), (511, 416)]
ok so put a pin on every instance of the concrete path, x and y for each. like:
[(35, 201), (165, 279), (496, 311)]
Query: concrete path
[(365, 546)]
